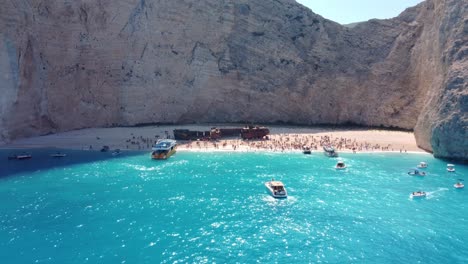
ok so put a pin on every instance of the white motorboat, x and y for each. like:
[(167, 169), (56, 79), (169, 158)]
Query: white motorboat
[(24, 156), (340, 165), (416, 172), (459, 184), (418, 194), (450, 168), (21, 156), (116, 152), (422, 165), (58, 155), (276, 189)]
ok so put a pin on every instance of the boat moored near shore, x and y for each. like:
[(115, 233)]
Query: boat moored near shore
[(163, 149), (329, 151)]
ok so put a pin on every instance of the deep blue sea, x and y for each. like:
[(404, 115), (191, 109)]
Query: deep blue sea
[(92, 207)]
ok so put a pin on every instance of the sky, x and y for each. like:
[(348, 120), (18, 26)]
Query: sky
[(350, 11)]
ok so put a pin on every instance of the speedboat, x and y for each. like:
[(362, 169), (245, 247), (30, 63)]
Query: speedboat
[(306, 150), (422, 165), (22, 156), (329, 151), (459, 184), (163, 149), (276, 189), (58, 155), (416, 172), (450, 168), (418, 194), (116, 152), (340, 165)]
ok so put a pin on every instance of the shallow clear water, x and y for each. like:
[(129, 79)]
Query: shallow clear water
[(213, 207)]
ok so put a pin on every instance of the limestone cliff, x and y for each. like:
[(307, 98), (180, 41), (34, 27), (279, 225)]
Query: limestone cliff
[(73, 64), (442, 125)]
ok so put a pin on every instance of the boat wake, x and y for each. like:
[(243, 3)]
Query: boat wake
[(160, 166), (279, 202), (434, 194), (437, 193), (140, 167)]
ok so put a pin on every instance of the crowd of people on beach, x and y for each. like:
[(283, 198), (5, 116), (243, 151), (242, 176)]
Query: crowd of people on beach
[(273, 142), (289, 142), (134, 142), (140, 142)]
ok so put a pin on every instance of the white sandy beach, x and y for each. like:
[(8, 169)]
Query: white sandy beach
[(280, 139)]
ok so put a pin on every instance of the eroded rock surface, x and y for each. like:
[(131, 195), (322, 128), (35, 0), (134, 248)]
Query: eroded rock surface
[(73, 64)]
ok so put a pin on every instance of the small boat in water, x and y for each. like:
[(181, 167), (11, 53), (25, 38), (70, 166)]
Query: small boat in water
[(450, 168), (340, 165), (105, 149), (58, 155), (416, 172), (306, 150), (329, 151), (422, 165), (459, 184), (276, 189), (21, 156), (163, 149), (116, 152), (418, 194)]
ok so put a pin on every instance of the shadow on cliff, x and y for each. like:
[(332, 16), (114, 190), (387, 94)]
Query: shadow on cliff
[(336, 127), (41, 160)]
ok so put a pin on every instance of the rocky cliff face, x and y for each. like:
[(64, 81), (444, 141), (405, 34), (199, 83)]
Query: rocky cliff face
[(73, 64), (442, 125)]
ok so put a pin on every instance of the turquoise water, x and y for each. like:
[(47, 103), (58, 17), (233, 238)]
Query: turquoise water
[(213, 207)]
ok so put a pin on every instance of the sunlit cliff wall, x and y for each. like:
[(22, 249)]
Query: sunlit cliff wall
[(94, 63)]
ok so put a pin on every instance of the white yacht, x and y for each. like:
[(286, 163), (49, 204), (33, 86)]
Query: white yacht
[(276, 189), (422, 165), (163, 149), (450, 168)]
